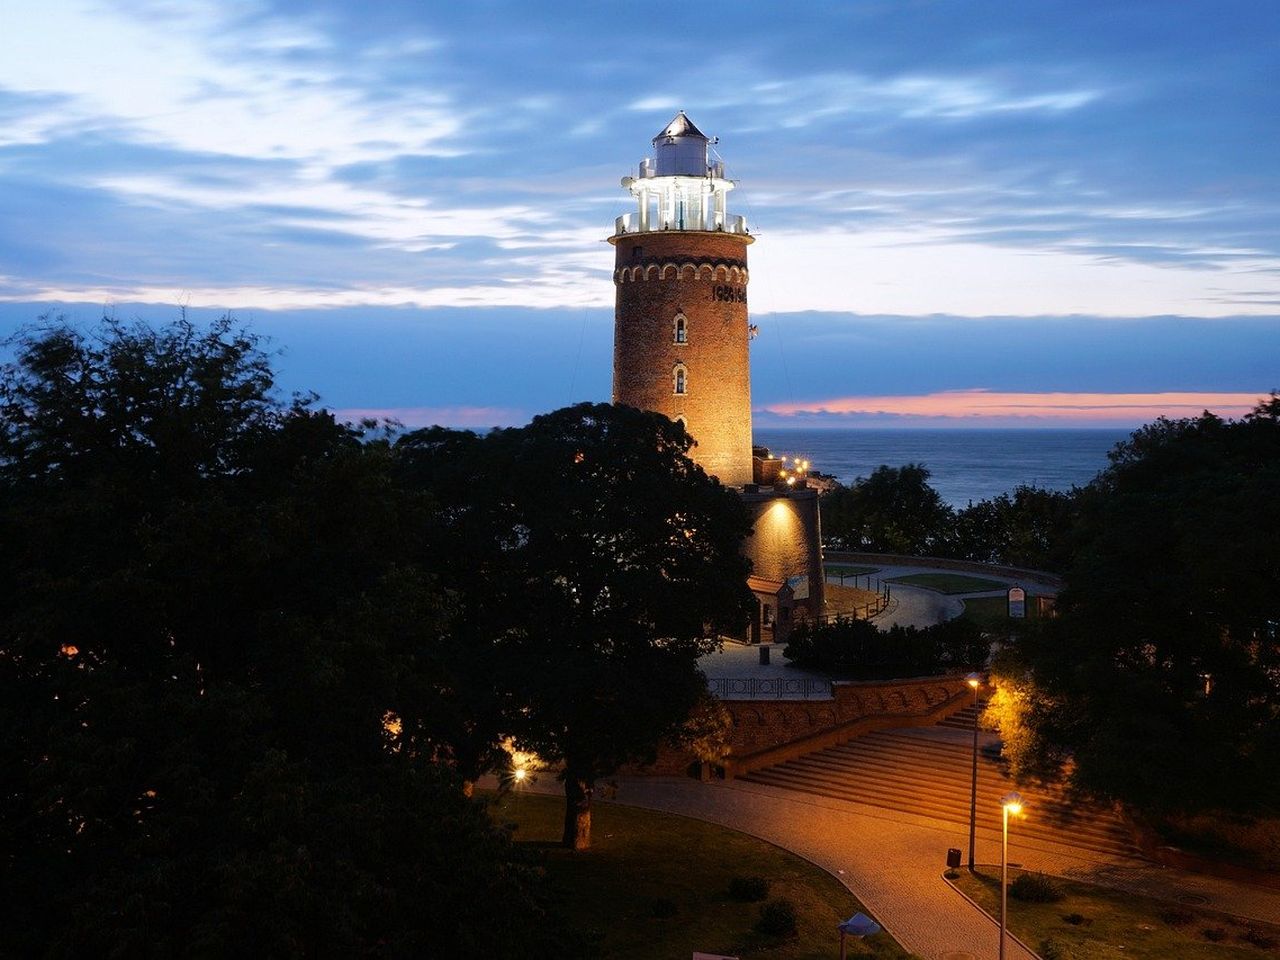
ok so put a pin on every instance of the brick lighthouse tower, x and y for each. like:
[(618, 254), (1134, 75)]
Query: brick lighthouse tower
[(681, 347)]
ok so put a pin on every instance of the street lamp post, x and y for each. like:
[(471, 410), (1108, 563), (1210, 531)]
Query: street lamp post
[(1009, 803), (975, 681)]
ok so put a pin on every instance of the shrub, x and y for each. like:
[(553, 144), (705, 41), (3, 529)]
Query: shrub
[(1035, 888), (748, 889), (859, 649), (1077, 919), (777, 918), (1259, 938), (1176, 916), (662, 908), (1215, 934)]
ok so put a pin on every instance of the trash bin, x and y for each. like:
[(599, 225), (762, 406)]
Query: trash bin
[(953, 858), (764, 656)]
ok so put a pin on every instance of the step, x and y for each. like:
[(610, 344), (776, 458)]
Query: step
[(1114, 842), (989, 791), (944, 804), (903, 776), (907, 770)]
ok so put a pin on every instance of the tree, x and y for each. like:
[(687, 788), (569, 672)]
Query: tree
[(211, 602), (1032, 528), (620, 565), (894, 510), (1161, 676)]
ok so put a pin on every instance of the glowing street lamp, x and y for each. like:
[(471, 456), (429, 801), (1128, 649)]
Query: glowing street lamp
[(1009, 803), (974, 680)]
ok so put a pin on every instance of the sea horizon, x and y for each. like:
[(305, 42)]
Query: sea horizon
[(966, 464)]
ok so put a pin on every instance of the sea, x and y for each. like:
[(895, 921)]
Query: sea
[(966, 465)]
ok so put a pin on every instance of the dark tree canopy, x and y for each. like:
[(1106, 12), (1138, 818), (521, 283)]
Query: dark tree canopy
[(1031, 527), (892, 511), (605, 562), (210, 601), (1161, 677)]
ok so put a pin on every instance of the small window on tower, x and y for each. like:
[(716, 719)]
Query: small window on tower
[(680, 379), (681, 328)]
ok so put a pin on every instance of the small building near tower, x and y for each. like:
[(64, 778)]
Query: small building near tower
[(775, 610), (681, 347)]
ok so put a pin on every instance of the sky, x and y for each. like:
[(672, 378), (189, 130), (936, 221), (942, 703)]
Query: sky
[(966, 213)]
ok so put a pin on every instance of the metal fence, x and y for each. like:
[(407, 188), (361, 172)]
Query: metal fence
[(773, 688), (863, 611)]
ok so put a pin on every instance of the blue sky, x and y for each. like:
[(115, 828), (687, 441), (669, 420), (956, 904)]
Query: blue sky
[(954, 201)]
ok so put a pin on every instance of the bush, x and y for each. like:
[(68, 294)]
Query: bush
[(1035, 888), (662, 908), (1077, 919), (748, 889), (1054, 949), (1215, 934), (777, 918), (859, 649), (1259, 938), (1176, 917)]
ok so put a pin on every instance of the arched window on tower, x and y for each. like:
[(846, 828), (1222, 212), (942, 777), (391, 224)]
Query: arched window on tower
[(679, 379), (681, 334)]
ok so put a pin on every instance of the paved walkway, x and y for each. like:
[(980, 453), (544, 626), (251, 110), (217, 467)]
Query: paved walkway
[(911, 606), (893, 861)]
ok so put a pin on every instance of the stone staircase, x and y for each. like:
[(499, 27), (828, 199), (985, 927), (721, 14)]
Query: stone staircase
[(927, 771), (964, 720)]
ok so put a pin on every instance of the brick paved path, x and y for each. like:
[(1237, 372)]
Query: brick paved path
[(893, 861)]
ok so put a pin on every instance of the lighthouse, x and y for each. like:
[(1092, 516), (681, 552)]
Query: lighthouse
[(682, 347), (680, 343)]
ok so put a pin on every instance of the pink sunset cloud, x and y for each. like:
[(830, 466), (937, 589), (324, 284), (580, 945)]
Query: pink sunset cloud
[(981, 404)]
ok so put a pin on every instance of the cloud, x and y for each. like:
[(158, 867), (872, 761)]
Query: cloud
[(544, 292), (931, 270), (205, 77), (799, 101), (414, 417), (978, 405)]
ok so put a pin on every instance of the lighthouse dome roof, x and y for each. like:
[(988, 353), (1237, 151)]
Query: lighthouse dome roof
[(680, 126)]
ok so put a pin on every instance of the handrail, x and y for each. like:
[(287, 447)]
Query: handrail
[(779, 688)]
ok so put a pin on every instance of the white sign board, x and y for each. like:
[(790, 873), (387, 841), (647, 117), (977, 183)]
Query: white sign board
[(1017, 603)]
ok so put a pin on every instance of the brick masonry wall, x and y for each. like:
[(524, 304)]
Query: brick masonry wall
[(703, 276), (770, 731), (786, 538)]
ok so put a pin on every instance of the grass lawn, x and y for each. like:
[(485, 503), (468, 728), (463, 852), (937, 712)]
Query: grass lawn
[(949, 582), (1116, 925), (640, 858), (838, 569), (994, 611), (1250, 841)]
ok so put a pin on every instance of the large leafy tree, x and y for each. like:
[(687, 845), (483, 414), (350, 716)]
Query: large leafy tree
[(210, 604), (615, 563), (1032, 527), (894, 510), (1161, 677)]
